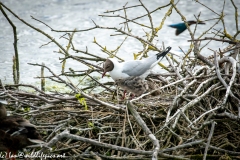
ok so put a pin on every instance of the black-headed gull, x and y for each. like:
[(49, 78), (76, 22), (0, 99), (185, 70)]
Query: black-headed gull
[(135, 85), (140, 68)]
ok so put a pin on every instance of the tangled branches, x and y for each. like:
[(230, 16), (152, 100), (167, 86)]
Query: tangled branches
[(191, 111)]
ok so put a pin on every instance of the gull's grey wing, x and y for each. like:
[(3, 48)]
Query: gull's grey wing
[(138, 67)]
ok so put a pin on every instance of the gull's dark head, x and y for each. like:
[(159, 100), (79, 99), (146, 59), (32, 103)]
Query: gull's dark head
[(107, 66)]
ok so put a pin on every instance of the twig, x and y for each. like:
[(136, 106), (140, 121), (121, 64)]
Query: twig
[(16, 58), (215, 39), (146, 130), (209, 140)]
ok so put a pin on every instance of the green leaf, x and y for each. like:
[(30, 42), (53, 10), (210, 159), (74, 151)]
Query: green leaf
[(90, 124), (81, 100)]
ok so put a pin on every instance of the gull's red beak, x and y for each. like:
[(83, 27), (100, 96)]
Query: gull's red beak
[(103, 74)]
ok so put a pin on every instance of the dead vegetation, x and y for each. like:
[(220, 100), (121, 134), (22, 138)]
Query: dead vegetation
[(190, 112)]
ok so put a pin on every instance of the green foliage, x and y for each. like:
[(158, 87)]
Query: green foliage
[(81, 100), (27, 109), (90, 124)]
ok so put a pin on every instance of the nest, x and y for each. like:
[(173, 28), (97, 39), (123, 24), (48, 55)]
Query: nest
[(190, 112), (183, 117)]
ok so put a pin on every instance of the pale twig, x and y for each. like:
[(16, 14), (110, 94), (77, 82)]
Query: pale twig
[(146, 130), (222, 150), (171, 84), (16, 69), (150, 19), (127, 20), (196, 100), (147, 14), (215, 39), (209, 140), (196, 52), (129, 34), (234, 64), (229, 115), (207, 112), (207, 81), (221, 79), (112, 11), (236, 19), (208, 8), (176, 69), (179, 96)]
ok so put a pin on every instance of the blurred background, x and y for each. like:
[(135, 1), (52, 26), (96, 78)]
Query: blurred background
[(71, 14)]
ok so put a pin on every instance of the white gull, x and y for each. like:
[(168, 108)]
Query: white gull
[(135, 68)]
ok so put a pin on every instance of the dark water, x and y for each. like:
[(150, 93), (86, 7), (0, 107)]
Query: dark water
[(70, 14)]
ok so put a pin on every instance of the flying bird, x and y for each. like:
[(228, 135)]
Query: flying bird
[(181, 27)]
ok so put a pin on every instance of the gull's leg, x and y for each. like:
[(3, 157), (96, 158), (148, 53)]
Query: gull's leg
[(132, 95), (124, 94)]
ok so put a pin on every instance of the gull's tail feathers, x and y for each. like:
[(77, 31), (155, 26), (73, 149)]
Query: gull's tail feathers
[(163, 53)]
